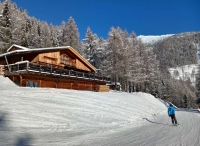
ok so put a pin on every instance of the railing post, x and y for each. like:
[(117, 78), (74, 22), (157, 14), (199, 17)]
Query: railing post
[(27, 66), (40, 68)]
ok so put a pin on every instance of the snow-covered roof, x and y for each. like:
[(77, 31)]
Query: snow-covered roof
[(27, 50)]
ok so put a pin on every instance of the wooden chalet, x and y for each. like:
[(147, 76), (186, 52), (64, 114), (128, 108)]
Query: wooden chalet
[(55, 67)]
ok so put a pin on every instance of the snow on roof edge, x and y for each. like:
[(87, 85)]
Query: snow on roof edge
[(24, 49), (21, 47)]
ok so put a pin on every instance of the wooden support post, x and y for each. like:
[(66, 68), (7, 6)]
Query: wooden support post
[(7, 63), (71, 85), (56, 83), (40, 83), (27, 66), (20, 80)]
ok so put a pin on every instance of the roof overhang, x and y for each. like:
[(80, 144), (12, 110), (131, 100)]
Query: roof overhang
[(24, 50)]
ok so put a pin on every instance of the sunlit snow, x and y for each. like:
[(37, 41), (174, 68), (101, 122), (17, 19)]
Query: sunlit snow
[(185, 72), (150, 39), (47, 116)]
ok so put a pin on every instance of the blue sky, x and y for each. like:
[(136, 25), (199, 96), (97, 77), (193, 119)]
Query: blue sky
[(144, 17)]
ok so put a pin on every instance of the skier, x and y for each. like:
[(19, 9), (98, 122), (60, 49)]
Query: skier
[(171, 113)]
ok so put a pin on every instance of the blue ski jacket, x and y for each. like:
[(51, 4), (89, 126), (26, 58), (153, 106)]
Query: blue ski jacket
[(171, 110)]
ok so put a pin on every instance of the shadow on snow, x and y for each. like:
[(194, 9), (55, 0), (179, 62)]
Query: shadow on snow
[(156, 122), (8, 136)]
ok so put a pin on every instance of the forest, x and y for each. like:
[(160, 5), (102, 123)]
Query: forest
[(121, 56)]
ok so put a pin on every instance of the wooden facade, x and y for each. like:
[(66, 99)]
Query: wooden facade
[(56, 67)]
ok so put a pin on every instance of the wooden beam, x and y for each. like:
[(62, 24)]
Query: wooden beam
[(20, 80), (40, 83), (7, 63)]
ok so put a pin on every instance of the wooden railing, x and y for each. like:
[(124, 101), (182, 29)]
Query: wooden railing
[(26, 66)]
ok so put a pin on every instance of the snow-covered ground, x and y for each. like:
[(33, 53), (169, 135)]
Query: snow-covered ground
[(46, 116), (150, 39)]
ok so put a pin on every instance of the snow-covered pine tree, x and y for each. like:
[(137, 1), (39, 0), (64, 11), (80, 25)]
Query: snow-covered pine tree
[(91, 45), (5, 27), (137, 64), (113, 55), (125, 53), (18, 26), (197, 83), (33, 37), (72, 37), (152, 81), (62, 35), (45, 35), (102, 53), (54, 35)]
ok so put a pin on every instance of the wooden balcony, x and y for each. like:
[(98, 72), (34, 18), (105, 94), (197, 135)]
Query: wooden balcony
[(52, 70)]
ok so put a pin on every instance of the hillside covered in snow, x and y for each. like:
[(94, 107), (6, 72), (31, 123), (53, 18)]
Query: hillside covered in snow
[(47, 116), (185, 72), (151, 39)]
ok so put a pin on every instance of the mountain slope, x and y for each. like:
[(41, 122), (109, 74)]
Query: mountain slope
[(151, 39), (178, 50), (175, 50)]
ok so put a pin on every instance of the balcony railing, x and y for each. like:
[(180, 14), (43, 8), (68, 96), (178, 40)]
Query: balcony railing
[(26, 66)]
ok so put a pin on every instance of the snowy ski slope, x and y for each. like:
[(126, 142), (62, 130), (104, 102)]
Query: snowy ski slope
[(46, 116)]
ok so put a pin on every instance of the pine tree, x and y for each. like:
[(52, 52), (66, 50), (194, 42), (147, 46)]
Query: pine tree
[(113, 55), (33, 37), (72, 37), (91, 44), (54, 35), (62, 35), (5, 28), (45, 35), (198, 78), (18, 26)]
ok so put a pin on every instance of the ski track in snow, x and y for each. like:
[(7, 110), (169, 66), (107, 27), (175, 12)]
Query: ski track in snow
[(44, 116)]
